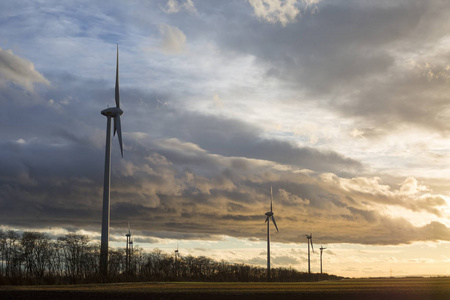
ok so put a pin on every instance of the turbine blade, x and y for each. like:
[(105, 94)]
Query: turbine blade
[(267, 219), (129, 231), (312, 245), (274, 223), (117, 79), (119, 132), (271, 198)]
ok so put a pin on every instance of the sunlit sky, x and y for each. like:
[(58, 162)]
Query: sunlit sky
[(342, 106)]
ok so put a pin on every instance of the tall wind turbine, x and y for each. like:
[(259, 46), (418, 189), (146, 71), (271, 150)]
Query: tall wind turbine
[(269, 215), (321, 250), (309, 238), (111, 112)]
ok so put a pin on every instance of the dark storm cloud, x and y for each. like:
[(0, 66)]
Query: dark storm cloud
[(388, 232), (152, 191)]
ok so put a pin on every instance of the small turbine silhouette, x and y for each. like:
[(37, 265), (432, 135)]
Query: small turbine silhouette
[(321, 250), (269, 215), (129, 249), (309, 238)]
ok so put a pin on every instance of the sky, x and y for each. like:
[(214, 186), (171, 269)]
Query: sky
[(340, 106)]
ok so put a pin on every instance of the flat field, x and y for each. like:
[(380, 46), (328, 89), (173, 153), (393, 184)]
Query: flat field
[(390, 288)]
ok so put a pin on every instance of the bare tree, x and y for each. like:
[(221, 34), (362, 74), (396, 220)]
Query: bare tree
[(12, 254), (36, 253), (32, 257), (73, 247), (2, 252)]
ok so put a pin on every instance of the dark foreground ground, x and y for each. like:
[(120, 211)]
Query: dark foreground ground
[(404, 288)]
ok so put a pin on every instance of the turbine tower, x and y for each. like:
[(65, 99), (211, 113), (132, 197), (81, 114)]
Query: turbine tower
[(269, 215), (321, 250), (111, 112), (309, 238)]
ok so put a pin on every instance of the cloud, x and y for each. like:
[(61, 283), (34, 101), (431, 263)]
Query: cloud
[(177, 188), (184, 174), (274, 11), (196, 175), (173, 6), (19, 71), (173, 39), (217, 101), (381, 68), (411, 186), (231, 137)]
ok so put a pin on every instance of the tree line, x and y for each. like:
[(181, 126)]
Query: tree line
[(35, 258)]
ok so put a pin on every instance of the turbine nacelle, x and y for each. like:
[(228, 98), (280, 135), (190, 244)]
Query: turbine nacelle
[(129, 231), (309, 238), (112, 112), (269, 213)]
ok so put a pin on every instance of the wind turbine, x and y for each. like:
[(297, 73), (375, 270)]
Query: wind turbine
[(309, 238), (111, 112), (177, 255), (321, 250), (269, 215), (129, 249)]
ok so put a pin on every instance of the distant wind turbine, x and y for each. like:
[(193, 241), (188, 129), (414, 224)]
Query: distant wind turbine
[(269, 215), (177, 255), (111, 112), (321, 250), (129, 249), (309, 238)]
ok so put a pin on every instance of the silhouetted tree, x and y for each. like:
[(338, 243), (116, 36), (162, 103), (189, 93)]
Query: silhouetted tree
[(32, 257), (36, 253), (73, 248)]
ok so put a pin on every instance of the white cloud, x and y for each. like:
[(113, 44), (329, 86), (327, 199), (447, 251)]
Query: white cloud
[(19, 71), (411, 187), (311, 4), (173, 39), (356, 133), (173, 6), (274, 11), (217, 101)]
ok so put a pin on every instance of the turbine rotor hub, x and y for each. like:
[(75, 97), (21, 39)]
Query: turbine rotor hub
[(269, 213)]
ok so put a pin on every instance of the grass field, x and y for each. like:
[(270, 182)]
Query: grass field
[(395, 288)]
